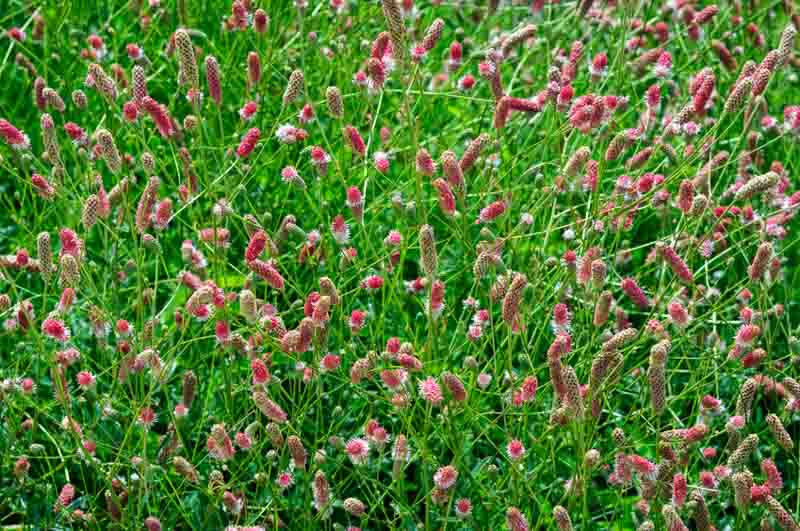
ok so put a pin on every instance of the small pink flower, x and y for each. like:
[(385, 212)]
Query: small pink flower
[(330, 362), (56, 329), (356, 322), (515, 450), (430, 391), (445, 477), (85, 379), (463, 508), (372, 283), (248, 111), (147, 417), (357, 450), (284, 480), (381, 161)]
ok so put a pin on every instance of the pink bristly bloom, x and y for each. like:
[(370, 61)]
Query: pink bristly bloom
[(355, 141), (430, 391), (372, 283), (445, 477), (306, 114), (774, 479), (131, 111), (635, 293), (447, 200), (320, 159), (243, 441), (134, 51), (357, 450), (76, 133), (248, 143), (491, 212), (643, 467), (260, 372), (664, 65), (13, 136), (147, 417), (340, 230), (355, 200), (289, 134), (85, 379), (381, 161), (587, 113), (561, 318), (515, 450), (463, 508), (678, 314), (599, 65), (159, 115), (42, 186), (16, 34), (55, 329), (285, 480), (747, 334), (248, 111), (678, 490), (357, 320), (466, 82), (330, 362)]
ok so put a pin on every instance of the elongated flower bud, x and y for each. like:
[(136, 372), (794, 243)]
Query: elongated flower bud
[(269, 408), (53, 99), (188, 388), (781, 515), (602, 308), (44, 253), (397, 31), (747, 393), (294, 87), (738, 96), (573, 398), (109, 151), (70, 271), (428, 256), (146, 203), (185, 469), (576, 161), (101, 81), (620, 339), (517, 37), (452, 170), (328, 289), (562, 519), (50, 140), (473, 151), (213, 79), (635, 293), (187, 75), (334, 99), (675, 262), (757, 185), (740, 456), (267, 271), (139, 84), (512, 299), (90, 209), (786, 45), (656, 375), (432, 35), (779, 432), (760, 262), (297, 451)]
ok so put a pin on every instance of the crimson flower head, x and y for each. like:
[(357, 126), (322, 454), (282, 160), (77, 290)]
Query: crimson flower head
[(248, 143)]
